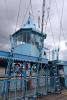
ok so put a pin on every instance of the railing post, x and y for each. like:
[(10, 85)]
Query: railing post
[(37, 79), (24, 80), (46, 79)]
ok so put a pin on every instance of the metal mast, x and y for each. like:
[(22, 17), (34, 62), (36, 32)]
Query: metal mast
[(43, 12), (40, 48), (42, 25)]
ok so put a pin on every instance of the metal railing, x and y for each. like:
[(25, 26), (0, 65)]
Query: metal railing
[(19, 88)]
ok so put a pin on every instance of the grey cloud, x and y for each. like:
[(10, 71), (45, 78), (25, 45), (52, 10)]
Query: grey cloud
[(8, 16)]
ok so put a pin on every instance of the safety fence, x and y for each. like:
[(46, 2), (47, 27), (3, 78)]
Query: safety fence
[(20, 88)]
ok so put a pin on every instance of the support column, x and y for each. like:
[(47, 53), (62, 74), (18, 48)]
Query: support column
[(24, 64), (46, 79), (38, 80), (7, 84)]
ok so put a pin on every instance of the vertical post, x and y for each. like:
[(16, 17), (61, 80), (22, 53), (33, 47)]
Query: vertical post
[(15, 87), (49, 54), (42, 24), (43, 12), (24, 80), (10, 61), (58, 54), (46, 79), (39, 20), (53, 54), (37, 79), (21, 76), (8, 83)]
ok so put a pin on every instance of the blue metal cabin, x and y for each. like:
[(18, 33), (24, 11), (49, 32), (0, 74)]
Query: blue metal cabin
[(27, 40)]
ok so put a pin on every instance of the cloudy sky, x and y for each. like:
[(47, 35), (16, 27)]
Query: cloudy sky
[(57, 14)]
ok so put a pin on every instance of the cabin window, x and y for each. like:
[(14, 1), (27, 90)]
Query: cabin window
[(28, 38), (19, 40), (32, 38), (24, 38)]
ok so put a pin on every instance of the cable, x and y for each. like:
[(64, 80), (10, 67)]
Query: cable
[(52, 32), (48, 18), (30, 5), (32, 10), (61, 25), (48, 11), (61, 28), (18, 14), (26, 13)]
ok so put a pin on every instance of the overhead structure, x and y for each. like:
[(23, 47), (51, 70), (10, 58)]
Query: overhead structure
[(43, 13), (42, 28)]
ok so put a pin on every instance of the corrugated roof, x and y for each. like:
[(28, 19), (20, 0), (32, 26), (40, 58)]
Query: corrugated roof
[(19, 57)]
